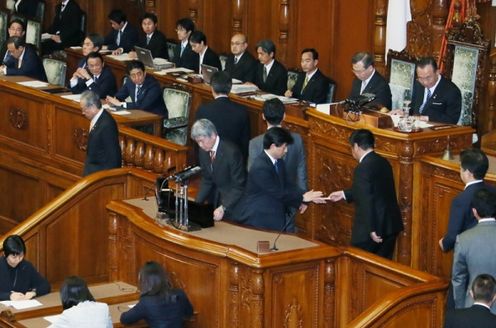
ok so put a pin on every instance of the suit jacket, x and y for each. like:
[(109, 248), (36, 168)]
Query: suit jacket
[(223, 180), (268, 196), (476, 316), (104, 86), (294, 160), (129, 38), (461, 217), (277, 80), (316, 89), (376, 207), (378, 86), (22, 278), (103, 151), (474, 255), (27, 8), (31, 65), (244, 69), (150, 98), (210, 58), (157, 44), (69, 24), (230, 119), (444, 105), (189, 59), (3, 51), (85, 314)]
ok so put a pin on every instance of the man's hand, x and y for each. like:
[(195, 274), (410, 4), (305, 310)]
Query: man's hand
[(82, 73), (441, 244), (336, 196), (117, 51), (313, 196), (288, 93), (219, 213), (15, 296), (375, 237), (56, 38), (29, 295), (114, 101), (303, 208)]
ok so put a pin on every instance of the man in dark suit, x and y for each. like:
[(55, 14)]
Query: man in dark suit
[(223, 170), (26, 60), (123, 36), (144, 90), (269, 192), (294, 160), (26, 8), (93, 42), (368, 80), (230, 119), (183, 55), (478, 315), (435, 98), (153, 39), (377, 219), (16, 28), (240, 63), (270, 75), (96, 77), (66, 27), (475, 249), (311, 85), (206, 55), (103, 151)]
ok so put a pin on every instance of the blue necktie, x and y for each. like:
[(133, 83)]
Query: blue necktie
[(421, 109)]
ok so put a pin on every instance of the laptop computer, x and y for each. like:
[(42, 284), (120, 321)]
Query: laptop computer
[(145, 56), (207, 72)]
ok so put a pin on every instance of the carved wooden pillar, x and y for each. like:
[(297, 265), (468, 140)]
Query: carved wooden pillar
[(237, 16), (150, 6), (113, 243), (405, 194), (257, 302), (283, 31), (329, 294), (234, 295), (439, 14), (380, 34), (193, 10)]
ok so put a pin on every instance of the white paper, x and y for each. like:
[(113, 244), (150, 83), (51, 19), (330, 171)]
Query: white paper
[(21, 305), (76, 47), (121, 112), (34, 84), (284, 100), (242, 88), (174, 70), (46, 36), (236, 81), (76, 98), (52, 318), (324, 108), (121, 57), (131, 305)]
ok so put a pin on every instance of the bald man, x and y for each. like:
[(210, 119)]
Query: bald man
[(240, 63)]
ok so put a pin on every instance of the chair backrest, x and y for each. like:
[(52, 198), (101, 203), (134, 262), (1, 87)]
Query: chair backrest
[(4, 16), (178, 102), (171, 45), (40, 11), (292, 77), (55, 71), (83, 22), (331, 92), (223, 60), (33, 33), (401, 76)]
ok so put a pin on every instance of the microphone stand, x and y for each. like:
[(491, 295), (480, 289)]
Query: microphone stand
[(274, 247)]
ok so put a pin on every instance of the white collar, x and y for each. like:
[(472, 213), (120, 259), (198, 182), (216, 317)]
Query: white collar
[(309, 75), (124, 27), (366, 153), (272, 159), (269, 66), (435, 85), (471, 183), (95, 118), (216, 145), (482, 304)]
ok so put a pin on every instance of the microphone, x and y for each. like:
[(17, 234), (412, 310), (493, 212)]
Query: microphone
[(274, 247), (186, 173)]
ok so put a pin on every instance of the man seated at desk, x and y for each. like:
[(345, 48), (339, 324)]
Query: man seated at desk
[(96, 77), (240, 63), (183, 55), (207, 56), (93, 42), (143, 89), (16, 28), (123, 36), (26, 60), (152, 39), (270, 75)]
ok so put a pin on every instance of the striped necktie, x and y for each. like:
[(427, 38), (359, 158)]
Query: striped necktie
[(304, 83), (421, 109)]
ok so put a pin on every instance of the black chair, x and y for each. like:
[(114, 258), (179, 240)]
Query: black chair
[(331, 92)]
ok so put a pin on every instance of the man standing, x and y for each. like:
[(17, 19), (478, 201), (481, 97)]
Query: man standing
[(368, 80), (475, 249), (435, 98), (270, 75), (103, 151), (240, 63), (311, 85), (377, 219), (230, 119), (96, 77), (223, 170), (25, 60), (207, 56)]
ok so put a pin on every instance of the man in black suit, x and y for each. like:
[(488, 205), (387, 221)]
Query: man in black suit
[(123, 36), (230, 119), (240, 63), (103, 151), (270, 75), (377, 219), (269, 193), (65, 29), (478, 315), (223, 170), (311, 85), (144, 90), (368, 80), (183, 55), (153, 39), (96, 77), (16, 28), (25, 60), (435, 98), (206, 55)]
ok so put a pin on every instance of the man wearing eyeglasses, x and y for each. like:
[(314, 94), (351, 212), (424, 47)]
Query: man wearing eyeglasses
[(435, 98), (240, 63)]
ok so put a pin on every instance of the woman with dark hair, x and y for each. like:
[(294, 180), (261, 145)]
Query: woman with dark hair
[(160, 305), (80, 308), (19, 280)]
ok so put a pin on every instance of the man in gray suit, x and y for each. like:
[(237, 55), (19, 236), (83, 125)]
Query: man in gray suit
[(295, 162), (475, 249)]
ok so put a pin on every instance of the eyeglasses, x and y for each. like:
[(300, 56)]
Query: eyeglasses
[(237, 43)]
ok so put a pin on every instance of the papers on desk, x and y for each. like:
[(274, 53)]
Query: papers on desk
[(46, 36), (236, 81), (180, 70), (52, 318), (121, 112), (76, 47), (324, 108), (242, 88), (121, 57), (21, 305), (285, 100), (76, 98), (34, 84)]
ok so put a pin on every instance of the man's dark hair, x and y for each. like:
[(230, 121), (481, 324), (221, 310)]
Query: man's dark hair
[(484, 202), (95, 54), (134, 64), (221, 82), (267, 46), (198, 37), (187, 24), (14, 245), (273, 111), (277, 136), (117, 16), (427, 61), (18, 21), (363, 138), (484, 288), (97, 40), (364, 57), (315, 54), (475, 161), (17, 41), (74, 290), (150, 16)]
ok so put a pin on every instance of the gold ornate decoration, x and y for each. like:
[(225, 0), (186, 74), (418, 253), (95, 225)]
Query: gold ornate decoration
[(80, 137), (18, 118)]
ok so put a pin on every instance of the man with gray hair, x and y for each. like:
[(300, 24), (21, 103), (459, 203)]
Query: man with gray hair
[(103, 151), (270, 75), (223, 170)]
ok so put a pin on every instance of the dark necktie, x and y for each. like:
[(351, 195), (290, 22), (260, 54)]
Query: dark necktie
[(118, 41), (264, 75), (421, 109), (95, 78), (235, 60), (138, 92)]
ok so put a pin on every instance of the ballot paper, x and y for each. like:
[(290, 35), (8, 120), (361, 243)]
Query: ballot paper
[(34, 84), (181, 70), (21, 305)]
